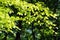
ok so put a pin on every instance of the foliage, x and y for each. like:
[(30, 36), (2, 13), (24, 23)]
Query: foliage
[(36, 16)]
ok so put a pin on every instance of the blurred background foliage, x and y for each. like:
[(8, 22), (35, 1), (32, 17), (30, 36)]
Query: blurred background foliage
[(29, 20)]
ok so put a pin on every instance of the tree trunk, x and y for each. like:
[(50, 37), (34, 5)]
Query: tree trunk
[(18, 34), (33, 33)]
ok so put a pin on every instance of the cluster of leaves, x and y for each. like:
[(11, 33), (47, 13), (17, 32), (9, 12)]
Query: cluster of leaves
[(51, 4), (58, 20), (6, 22), (35, 16)]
